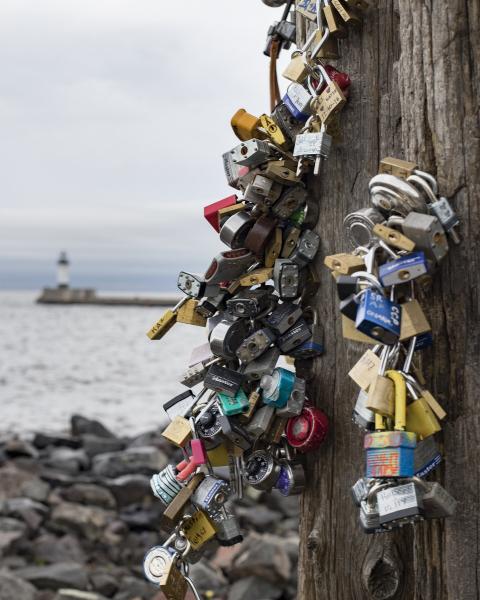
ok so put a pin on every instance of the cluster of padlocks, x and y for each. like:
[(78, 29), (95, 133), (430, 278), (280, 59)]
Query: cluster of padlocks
[(399, 241), (245, 419)]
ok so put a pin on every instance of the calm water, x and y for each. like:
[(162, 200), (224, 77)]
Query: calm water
[(57, 360)]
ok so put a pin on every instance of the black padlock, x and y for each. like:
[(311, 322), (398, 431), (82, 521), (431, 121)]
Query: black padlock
[(295, 336), (222, 379)]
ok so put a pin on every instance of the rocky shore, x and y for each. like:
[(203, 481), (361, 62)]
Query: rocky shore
[(77, 515)]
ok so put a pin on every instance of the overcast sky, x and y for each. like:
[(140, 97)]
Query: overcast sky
[(114, 115)]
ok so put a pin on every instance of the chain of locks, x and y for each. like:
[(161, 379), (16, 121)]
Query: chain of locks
[(250, 423)]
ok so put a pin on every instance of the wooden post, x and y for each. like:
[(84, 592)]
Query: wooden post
[(415, 95)]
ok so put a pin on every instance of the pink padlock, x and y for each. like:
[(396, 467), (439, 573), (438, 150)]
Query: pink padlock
[(199, 454)]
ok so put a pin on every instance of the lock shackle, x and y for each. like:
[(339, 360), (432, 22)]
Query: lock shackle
[(420, 181), (388, 250), (371, 279), (410, 380), (409, 355), (400, 399), (309, 310), (373, 491), (324, 77), (395, 221), (430, 178)]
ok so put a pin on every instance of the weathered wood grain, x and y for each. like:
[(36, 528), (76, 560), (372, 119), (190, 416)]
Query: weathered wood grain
[(415, 94)]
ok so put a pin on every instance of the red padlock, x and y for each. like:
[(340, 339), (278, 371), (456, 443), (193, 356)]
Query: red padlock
[(210, 212), (342, 79), (308, 430)]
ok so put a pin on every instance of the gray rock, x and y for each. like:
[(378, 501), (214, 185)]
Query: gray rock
[(48, 548), (43, 440), (88, 493), (261, 517), (285, 526), (77, 595), (36, 489), (288, 505), (12, 481), (129, 489), (57, 576), (45, 595), (131, 587), (16, 447), (145, 459), (29, 511), (68, 459), (207, 578), (104, 582), (264, 556), (14, 588), (11, 531), (88, 521), (80, 425), (94, 444), (254, 587)]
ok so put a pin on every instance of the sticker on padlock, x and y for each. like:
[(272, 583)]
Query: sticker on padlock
[(404, 269), (307, 431), (222, 379), (297, 100)]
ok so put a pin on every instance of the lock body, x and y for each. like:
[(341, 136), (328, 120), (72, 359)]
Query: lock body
[(390, 454)]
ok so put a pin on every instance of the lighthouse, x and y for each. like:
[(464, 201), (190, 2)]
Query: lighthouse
[(63, 276)]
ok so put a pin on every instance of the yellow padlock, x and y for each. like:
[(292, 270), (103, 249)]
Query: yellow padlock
[(256, 277), (421, 419), (178, 432), (245, 126), (273, 248), (187, 314), (163, 325), (397, 166), (393, 237), (198, 529), (344, 263), (273, 131)]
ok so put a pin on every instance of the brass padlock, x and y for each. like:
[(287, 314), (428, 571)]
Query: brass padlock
[(163, 325), (281, 172), (344, 263), (256, 277), (187, 314), (365, 370), (396, 166), (413, 322), (298, 68), (393, 237), (198, 529), (273, 131), (348, 15), (245, 126), (228, 211), (175, 586), (174, 511), (273, 248), (350, 332), (178, 432), (330, 101), (290, 242), (253, 400), (274, 434), (334, 25), (421, 419), (381, 394), (434, 405)]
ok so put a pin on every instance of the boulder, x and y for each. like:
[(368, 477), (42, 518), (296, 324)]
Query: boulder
[(29, 511), (263, 556), (254, 587), (131, 587), (68, 459), (88, 521), (144, 459), (43, 440), (16, 447), (95, 444), (261, 518), (57, 576), (14, 588), (48, 548), (88, 493), (207, 579), (11, 531), (129, 489), (104, 582), (13, 480), (81, 425), (66, 594)]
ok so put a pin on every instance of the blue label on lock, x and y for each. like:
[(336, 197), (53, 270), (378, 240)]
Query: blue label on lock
[(403, 269), (425, 340), (308, 349), (378, 317), (300, 116)]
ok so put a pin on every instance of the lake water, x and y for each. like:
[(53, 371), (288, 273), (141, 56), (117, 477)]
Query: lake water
[(93, 360)]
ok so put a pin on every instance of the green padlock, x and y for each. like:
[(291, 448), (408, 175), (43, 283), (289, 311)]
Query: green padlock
[(235, 405)]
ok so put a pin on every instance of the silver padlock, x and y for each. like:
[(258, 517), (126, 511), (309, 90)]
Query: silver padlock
[(293, 198), (229, 265), (447, 217), (209, 305), (395, 195), (306, 249), (251, 196), (289, 125), (211, 495), (251, 153), (235, 229), (359, 225), (427, 233), (255, 345), (399, 504), (195, 286), (228, 529), (360, 489), (226, 337), (250, 303), (262, 470), (267, 188), (295, 401), (263, 365), (232, 170), (291, 480), (261, 421), (286, 278), (362, 416), (165, 486), (437, 502), (284, 317)]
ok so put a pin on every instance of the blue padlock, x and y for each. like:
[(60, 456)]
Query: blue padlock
[(424, 340), (403, 269), (277, 387), (297, 100), (378, 317)]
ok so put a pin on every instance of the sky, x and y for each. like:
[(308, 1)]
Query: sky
[(114, 115)]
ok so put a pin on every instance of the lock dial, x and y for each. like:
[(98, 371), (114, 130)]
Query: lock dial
[(261, 470)]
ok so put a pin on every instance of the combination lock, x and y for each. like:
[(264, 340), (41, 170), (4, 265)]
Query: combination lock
[(261, 470)]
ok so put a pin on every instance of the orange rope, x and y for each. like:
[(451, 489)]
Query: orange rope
[(273, 79)]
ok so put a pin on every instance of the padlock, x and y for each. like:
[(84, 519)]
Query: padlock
[(232, 172), (198, 529), (209, 427), (297, 99), (348, 15), (273, 131), (414, 322), (363, 416), (273, 248), (298, 68), (365, 370), (260, 234), (307, 431), (290, 126), (360, 225), (195, 374), (211, 495), (331, 100), (226, 337), (180, 405), (423, 393), (393, 237), (250, 303), (178, 432), (293, 337), (253, 402), (222, 379), (277, 387), (447, 217), (427, 457), (229, 265), (235, 229), (163, 325), (263, 365), (350, 332), (333, 22), (261, 470), (286, 278), (427, 233), (235, 433), (420, 417), (369, 517), (344, 264), (290, 239), (256, 277), (283, 317), (403, 269), (396, 166), (165, 485), (255, 345), (210, 212), (291, 480), (312, 145), (261, 421), (228, 211), (437, 502), (313, 346), (188, 314), (378, 317), (160, 568), (391, 453), (307, 8), (233, 406), (195, 286), (209, 305), (266, 188), (244, 125), (296, 400), (282, 172), (381, 394), (251, 153), (174, 511), (360, 489), (291, 200), (228, 529), (394, 195), (399, 504)]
